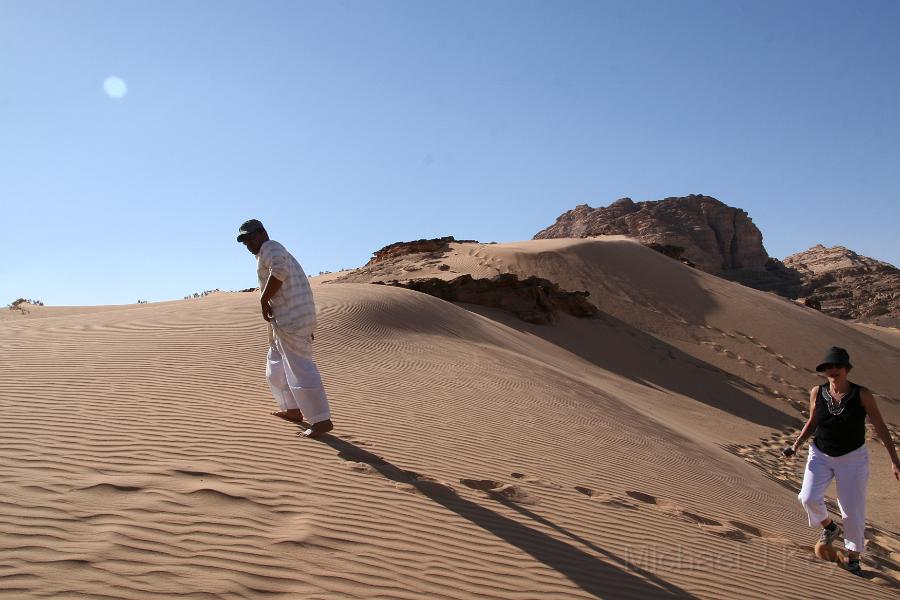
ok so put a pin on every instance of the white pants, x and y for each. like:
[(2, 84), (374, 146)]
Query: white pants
[(293, 377), (851, 472)]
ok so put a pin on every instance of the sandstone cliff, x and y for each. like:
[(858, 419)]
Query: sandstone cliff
[(847, 285), (715, 237), (723, 240)]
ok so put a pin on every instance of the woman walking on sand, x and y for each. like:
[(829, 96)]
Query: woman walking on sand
[(837, 415)]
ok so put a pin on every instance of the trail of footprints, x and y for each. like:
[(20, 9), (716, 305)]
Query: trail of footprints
[(882, 555), (634, 500), (800, 406), (491, 262), (366, 462), (766, 456)]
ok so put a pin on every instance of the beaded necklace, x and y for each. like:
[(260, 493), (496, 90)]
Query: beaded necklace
[(836, 407)]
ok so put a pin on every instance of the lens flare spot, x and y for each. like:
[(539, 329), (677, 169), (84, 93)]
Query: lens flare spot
[(115, 87)]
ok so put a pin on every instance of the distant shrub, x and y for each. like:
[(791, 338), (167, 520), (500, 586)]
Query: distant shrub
[(202, 294), (217, 291), (20, 303), (16, 303)]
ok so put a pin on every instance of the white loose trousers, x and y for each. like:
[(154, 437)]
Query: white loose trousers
[(293, 376), (851, 472)]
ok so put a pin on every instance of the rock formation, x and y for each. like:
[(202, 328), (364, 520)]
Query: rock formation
[(847, 285), (722, 240), (534, 300), (716, 237), (415, 247)]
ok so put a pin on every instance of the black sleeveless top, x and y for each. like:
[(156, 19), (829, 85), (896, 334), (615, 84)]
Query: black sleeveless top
[(841, 427)]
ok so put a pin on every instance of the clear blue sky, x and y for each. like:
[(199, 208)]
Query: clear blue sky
[(348, 125)]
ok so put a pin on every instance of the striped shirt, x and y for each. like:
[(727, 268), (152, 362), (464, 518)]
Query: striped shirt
[(293, 305)]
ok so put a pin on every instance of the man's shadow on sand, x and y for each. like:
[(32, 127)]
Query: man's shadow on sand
[(611, 579)]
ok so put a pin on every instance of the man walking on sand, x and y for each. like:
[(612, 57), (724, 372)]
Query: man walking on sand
[(288, 307)]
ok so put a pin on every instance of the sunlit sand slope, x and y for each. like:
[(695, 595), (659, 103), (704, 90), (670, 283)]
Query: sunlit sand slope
[(473, 458)]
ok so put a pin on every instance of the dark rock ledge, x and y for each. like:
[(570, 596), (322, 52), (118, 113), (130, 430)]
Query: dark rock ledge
[(533, 300)]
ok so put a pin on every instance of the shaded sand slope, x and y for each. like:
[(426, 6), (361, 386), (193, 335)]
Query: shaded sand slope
[(472, 459), (889, 335)]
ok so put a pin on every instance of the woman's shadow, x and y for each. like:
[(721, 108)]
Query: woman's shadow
[(611, 579)]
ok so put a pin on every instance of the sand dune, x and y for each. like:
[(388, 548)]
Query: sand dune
[(475, 456)]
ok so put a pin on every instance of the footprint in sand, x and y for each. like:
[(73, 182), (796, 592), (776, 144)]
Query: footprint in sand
[(481, 484), (587, 491), (535, 481), (699, 519), (607, 499), (736, 531), (665, 506), (738, 534), (732, 534), (360, 467), (501, 491), (424, 484), (642, 497), (363, 461), (748, 529)]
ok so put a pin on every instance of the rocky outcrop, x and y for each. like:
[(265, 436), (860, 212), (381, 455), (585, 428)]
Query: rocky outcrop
[(415, 247), (848, 285), (722, 240), (534, 300), (717, 238), (809, 303)]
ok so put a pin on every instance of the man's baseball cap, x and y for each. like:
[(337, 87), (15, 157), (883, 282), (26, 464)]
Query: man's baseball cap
[(247, 228)]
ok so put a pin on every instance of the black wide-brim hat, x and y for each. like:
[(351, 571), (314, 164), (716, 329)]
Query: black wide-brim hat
[(835, 356)]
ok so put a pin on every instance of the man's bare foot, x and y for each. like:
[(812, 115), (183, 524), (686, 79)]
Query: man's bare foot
[(293, 415), (318, 429)]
